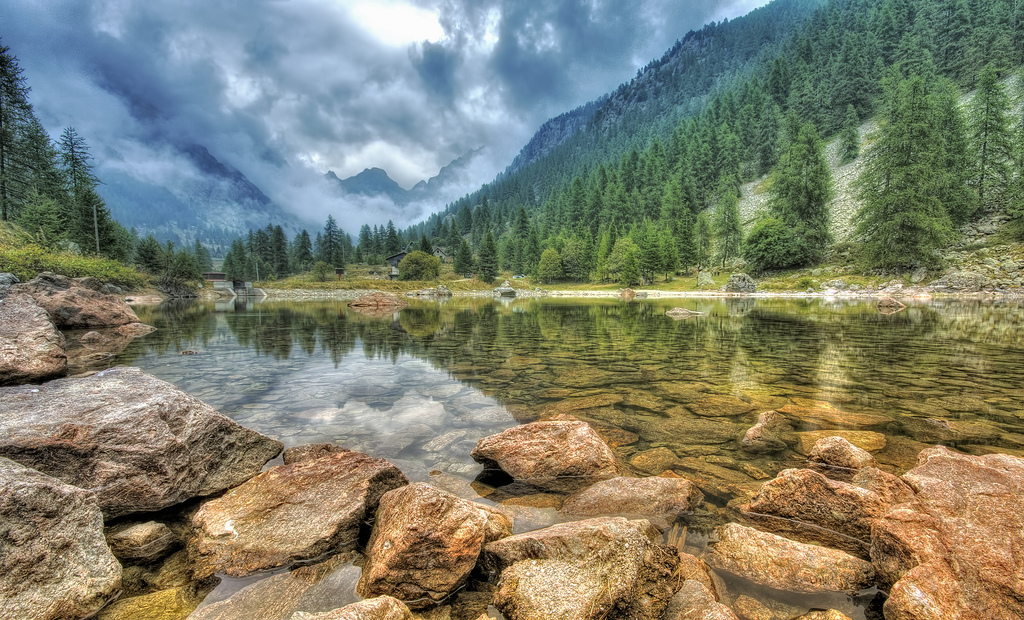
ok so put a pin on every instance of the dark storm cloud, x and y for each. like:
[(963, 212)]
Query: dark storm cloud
[(284, 90)]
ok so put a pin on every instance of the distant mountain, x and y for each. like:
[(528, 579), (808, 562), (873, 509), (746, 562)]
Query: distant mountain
[(213, 203), (451, 179)]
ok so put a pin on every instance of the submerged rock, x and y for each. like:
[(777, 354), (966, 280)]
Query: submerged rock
[(378, 299), (92, 350), (836, 451), (379, 608), (31, 348), (593, 569), (555, 455), (682, 313), (140, 443), (77, 303), (783, 564), (660, 499), (54, 562), (291, 512), (763, 437), (694, 601), (424, 544), (954, 551), (868, 441)]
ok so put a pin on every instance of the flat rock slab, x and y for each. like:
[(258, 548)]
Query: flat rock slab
[(318, 588), (783, 564), (719, 406), (825, 414), (869, 441), (142, 542), (554, 455), (77, 303), (664, 499), (954, 551), (425, 542), (139, 443), (54, 562), (290, 512), (31, 348)]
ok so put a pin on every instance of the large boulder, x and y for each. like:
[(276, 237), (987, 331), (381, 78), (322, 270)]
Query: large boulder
[(694, 601), (31, 348), (54, 562), (592, 569), (379, 299), (379, 608), (805, 505), (838, 452), (955, 550), (425, 542), (140, 443), (741, 283), (663, 500), (783, 564), (290, 512), (558, 455), (77, 303)]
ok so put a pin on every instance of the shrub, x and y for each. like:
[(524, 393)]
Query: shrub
[(772, 245), (550, 267), (419, 265), (322, 271), (28, 261)]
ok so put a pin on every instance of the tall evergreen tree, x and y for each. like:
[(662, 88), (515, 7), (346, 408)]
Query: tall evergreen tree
[(990, 136), (849, 139), (81, 184), (901, 220), (463, 263), (959, 199), (302, 252), (703, 236), (487, 258), (728, 228), (15, 111), (800, 193)]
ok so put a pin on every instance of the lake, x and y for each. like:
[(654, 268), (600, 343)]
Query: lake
[(421, 386)]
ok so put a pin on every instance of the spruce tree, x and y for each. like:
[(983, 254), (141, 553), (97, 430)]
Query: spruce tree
[(15, 113), (727, 224), (463, 258), (990, 137), (902, 220), (800, 194), (487, 258), (703, 236), (957, 196), (849, 139)]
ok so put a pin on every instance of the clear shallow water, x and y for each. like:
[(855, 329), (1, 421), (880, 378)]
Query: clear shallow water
[(422, 386)]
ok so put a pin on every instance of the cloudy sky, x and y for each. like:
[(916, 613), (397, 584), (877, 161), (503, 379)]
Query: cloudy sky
[(283, 89)]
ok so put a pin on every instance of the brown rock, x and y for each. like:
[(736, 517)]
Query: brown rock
[(586, 572), (379, 299), (173, 604), (54, 563), (783, 564), (719, 406), (77, 303), (682, 313), (379, 608), (565, 541), (556, 455), (662, 500), (763, 438), (143, 542), (318, 588), (568, 405), (310, 452), (825, 414), (954, 551), (892, 489), (291, 512), (752, 609), (888, 305), (140, 443), (694, 601), (424, 544), (31, 348), (693, 568), (827, 614), (92, 350), (815, 509), (655, 460), (869, 441), (836, 451)]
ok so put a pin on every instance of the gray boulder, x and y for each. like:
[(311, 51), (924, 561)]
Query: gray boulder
[(741, 283), (705, 280), (139, 443), (505, 290), (31, 348), (660, 499), (54, 563)]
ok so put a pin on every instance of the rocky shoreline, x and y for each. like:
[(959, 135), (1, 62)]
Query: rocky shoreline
[(124, 497)]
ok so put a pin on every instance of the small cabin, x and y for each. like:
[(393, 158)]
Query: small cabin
[(393, 261)]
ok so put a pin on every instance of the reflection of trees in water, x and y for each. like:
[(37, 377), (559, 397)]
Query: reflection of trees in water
[(180, 324)]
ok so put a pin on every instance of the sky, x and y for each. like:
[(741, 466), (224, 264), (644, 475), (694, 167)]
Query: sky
[(285, 90)]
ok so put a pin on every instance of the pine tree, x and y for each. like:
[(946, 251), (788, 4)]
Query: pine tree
[(901, 220), (425, 245), (849, 139), (463, 258), (15, 112), (959, 199), (703, 235), (202, 256), (302, 251), (727, 224), (80, 183), (800, 193), (990, 136), (487, 260)]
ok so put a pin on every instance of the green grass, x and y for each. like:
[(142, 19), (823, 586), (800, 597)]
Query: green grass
[(18, 255)]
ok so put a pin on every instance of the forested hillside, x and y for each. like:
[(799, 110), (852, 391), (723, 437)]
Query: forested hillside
[(654, 172)]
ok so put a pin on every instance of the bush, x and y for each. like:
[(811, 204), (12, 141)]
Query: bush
[(772, 245), (322, 271), (550, 267), (419, 265), (28, 261)]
